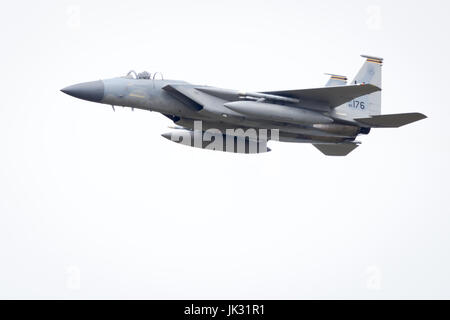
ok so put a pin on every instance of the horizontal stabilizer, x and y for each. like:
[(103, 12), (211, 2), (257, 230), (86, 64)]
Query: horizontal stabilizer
[(330, 96), (391, 120), (336, 149)]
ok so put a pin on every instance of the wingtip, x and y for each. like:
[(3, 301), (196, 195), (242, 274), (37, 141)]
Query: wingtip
[(422, 116), (370, 86)]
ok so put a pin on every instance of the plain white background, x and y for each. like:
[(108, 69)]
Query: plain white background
[(96, 204)]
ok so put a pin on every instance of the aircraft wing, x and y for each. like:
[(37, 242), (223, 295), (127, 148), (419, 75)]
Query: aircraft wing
[(185, 94), (330, 96), (323, 98), (200, 98)]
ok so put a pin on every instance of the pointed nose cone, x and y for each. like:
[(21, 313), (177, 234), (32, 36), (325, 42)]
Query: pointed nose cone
[(91, 91)]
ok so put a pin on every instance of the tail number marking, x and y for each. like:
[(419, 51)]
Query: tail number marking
[(355, 104)]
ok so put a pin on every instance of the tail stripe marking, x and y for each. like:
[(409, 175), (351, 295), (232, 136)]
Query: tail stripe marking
[(375, 61), (339, 78)]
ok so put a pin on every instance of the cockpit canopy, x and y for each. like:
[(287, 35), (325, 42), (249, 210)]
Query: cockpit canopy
[(142, 75)]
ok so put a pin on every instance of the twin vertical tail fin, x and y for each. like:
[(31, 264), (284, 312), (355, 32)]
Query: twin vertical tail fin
[(368, 105), (365, 111), (336, 80)]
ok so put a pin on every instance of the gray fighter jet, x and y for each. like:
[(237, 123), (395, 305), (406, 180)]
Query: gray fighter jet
[(213, 118)]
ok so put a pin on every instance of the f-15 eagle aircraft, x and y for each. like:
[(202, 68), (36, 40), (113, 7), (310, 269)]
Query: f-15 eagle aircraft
[(330, 117)]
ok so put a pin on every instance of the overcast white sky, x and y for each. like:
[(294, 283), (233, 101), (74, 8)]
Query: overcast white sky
[(96, 204)]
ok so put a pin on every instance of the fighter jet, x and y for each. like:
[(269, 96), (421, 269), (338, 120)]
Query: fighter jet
[(329, 117)]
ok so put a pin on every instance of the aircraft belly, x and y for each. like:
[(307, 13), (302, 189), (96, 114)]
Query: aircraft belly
[(300, 138), (286, 132)]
